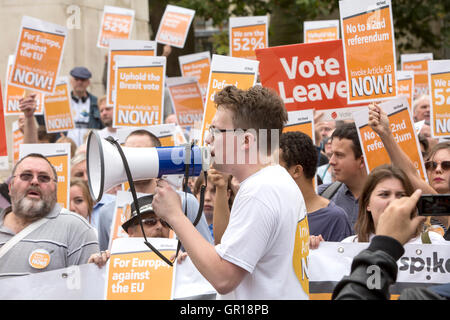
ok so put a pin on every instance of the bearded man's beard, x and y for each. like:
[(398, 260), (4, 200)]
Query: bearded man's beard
[(33, 209)]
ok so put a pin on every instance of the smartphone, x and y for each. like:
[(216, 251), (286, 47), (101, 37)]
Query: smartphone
[(434, 205)]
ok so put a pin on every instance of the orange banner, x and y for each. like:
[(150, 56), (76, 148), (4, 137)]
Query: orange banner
[(38, 55), (439, 84), (174, 26), (58, 112), (369, 50), (126, 48), (246, 35), (139, 99), (117, 23)]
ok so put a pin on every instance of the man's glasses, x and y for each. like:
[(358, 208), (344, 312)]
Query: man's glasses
[(213, 131), (432, 165), (42, 178), (152, 221)]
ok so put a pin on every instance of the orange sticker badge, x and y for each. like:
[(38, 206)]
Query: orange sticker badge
[(405, 86), (187, 100), (117, 23), (196, 65), (246, 35), (38, 55), (58, 111), (323, 30), (134, 272), (126, 48), (369, 50), (402, 128), (139, 94), (418, 63), (39, 259), (13, 95), (439, 83), (174, 26), (58, 154), (226, 71)]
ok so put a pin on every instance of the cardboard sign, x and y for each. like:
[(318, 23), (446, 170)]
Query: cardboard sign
[(17, 137), (405, 86), (421, 265), (38, 55), (369, 49), (186, 100), (402, 128), (166, 133), (246, 35), (59, 156), (174, 26), (125, 48), (301, 120), (308, 76), (134, 272), (439, 83), (323, 30), (196, 65), (139, 95), (13, 95), (117, 23), (418, 63), (58, 112), (226, 71), (3, 145)]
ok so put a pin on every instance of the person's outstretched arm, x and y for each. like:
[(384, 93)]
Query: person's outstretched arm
[(28, 105)]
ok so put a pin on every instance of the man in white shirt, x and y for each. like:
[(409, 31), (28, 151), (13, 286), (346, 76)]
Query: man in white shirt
[(106, 115), (263, 251)]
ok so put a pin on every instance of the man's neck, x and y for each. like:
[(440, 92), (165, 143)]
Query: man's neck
[(111, 129), (16, 223), (243, 171), (79, 94), (145, 186), (313, 201), (356, 184)]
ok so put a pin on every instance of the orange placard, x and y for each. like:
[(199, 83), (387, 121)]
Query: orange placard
[(13, 94), (246, 35), (126, 48), (3, 144), (38, 55), (224, 72), (116, 23), (196, 65), (58, 113), (440, 97), (302, 120), (174, 26), (369, 50), (17, 137), (136, 273), (405, 86), (60, 162), (187, 100), (139, 96), (402, 128), (322, 30), (418, 63)]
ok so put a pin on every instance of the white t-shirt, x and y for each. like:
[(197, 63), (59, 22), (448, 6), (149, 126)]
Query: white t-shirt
[(435, 238), (261, 234)]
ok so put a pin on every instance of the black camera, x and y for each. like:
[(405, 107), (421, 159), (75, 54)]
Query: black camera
[(434, 205)]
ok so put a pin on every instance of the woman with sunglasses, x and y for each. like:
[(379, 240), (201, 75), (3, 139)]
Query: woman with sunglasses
[(437, 165)]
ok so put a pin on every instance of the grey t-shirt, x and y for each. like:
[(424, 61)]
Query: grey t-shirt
[(106, 214), (67, 238)]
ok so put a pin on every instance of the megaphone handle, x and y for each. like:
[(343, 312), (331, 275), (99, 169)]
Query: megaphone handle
[(133, 192)]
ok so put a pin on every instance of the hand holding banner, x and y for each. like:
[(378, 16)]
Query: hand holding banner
[(324, 30), (174, 26), (117, 23), (246, 35), (38, 55), (369, 49), (439, 84)]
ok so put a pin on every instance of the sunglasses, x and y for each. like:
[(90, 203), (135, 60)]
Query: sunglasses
[(432, 165), (42, 178), (152, 221)]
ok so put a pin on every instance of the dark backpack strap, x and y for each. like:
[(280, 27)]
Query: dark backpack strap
[(331, 190)]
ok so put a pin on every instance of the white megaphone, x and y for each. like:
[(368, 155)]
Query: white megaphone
[(105, 166)]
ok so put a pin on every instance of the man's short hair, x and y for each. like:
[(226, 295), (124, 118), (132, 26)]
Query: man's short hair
[(256, 108), (348, 131), (141, 132), (35, 155), (298, 148), (101, 100)]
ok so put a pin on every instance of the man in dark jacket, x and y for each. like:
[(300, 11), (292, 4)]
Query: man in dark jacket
[(394, 229)]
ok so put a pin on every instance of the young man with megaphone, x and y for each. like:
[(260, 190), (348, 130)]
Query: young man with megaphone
[(258, 257)]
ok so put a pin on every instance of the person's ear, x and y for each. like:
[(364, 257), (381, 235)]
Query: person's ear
[(297, 171), (248, 141)]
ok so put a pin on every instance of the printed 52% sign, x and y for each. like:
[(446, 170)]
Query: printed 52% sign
[(246, 35)]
